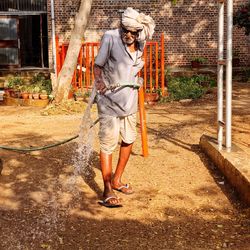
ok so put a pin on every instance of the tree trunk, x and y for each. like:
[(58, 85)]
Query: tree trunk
[(66, 74)]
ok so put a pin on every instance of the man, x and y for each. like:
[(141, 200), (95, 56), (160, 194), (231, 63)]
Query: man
[(116, 67)]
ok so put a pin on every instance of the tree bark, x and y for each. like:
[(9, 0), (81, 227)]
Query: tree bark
[(66, 74)]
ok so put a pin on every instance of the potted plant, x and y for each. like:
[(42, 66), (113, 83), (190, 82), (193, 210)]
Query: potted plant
[(35, 92), (196, 62), (13, 86), (16, 91), (78, 95), (24, 92), (151, 96), (29, 89), (43, 95)]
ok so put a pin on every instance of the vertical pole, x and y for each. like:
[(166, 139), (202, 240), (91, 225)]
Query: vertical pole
[(220, 75), (143, 126), (229, 75), (53, 35), (145, 68), (87, 67), (151, 68), (84, 63), (162, 65), (80, 68), (63, 53), (92, 63), (156, 66)]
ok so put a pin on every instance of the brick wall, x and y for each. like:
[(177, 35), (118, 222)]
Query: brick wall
[(190, 27)]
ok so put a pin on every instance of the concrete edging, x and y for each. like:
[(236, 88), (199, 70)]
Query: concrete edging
[(235, 165)]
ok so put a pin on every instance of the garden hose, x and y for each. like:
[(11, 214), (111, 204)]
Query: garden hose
[(112, 87), (38, 148), (44, 147)]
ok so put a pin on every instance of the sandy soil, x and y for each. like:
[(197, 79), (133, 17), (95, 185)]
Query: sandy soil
[(181, 200)]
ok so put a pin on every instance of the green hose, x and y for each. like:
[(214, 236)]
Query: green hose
[(44, 147), (61, 142), (39, 148)]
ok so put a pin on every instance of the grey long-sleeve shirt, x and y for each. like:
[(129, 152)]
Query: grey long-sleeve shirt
[(120, 66)]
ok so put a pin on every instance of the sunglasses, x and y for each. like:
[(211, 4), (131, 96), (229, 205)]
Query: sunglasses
[(133, 33)]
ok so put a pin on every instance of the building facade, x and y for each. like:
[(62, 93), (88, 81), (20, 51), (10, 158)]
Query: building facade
[(190, 27)]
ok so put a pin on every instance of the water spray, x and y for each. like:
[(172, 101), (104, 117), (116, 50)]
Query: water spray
[(111, 87)]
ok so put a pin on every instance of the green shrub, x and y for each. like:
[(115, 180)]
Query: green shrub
[(15, 82), (188, 87), (40, 81), (199, 59), (242, 18)]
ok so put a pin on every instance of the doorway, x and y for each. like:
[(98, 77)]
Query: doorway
[(33, 36), (24, 41)]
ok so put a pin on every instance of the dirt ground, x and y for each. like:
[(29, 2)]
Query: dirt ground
[(181, 201)]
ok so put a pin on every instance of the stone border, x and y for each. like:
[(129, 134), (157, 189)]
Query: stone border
[(235, 165)]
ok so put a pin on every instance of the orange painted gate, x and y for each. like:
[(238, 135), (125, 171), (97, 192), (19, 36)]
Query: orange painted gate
[(152, 72)]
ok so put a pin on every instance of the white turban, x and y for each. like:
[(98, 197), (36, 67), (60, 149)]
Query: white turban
[(131, 19)]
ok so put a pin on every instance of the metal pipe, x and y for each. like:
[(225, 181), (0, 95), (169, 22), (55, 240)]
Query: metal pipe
[(220, 75), (229, 75), (53, 35)]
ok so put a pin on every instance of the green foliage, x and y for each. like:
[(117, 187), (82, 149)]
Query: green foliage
[(242, 18), (174, 1), (199, 59), (188, 87), (15, 82), (82, 93), (39, 83)]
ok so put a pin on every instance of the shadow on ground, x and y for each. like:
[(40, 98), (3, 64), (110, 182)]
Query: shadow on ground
[(44, 206)]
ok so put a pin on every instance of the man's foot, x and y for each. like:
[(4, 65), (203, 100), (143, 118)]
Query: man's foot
[(123, 188), (111, 201)]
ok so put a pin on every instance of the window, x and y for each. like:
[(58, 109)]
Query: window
[(23, 5)]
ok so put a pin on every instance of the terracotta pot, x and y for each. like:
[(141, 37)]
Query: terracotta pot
[(195, 64), (15, 93), (35, 96), (151, 97), (25, 95), (43, 96), (8, 92)]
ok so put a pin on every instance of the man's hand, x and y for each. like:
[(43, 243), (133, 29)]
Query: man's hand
[(100, 86), (99, 83)]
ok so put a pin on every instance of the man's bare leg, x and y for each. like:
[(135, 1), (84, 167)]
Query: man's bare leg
[(106, 166), (125, 152)]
